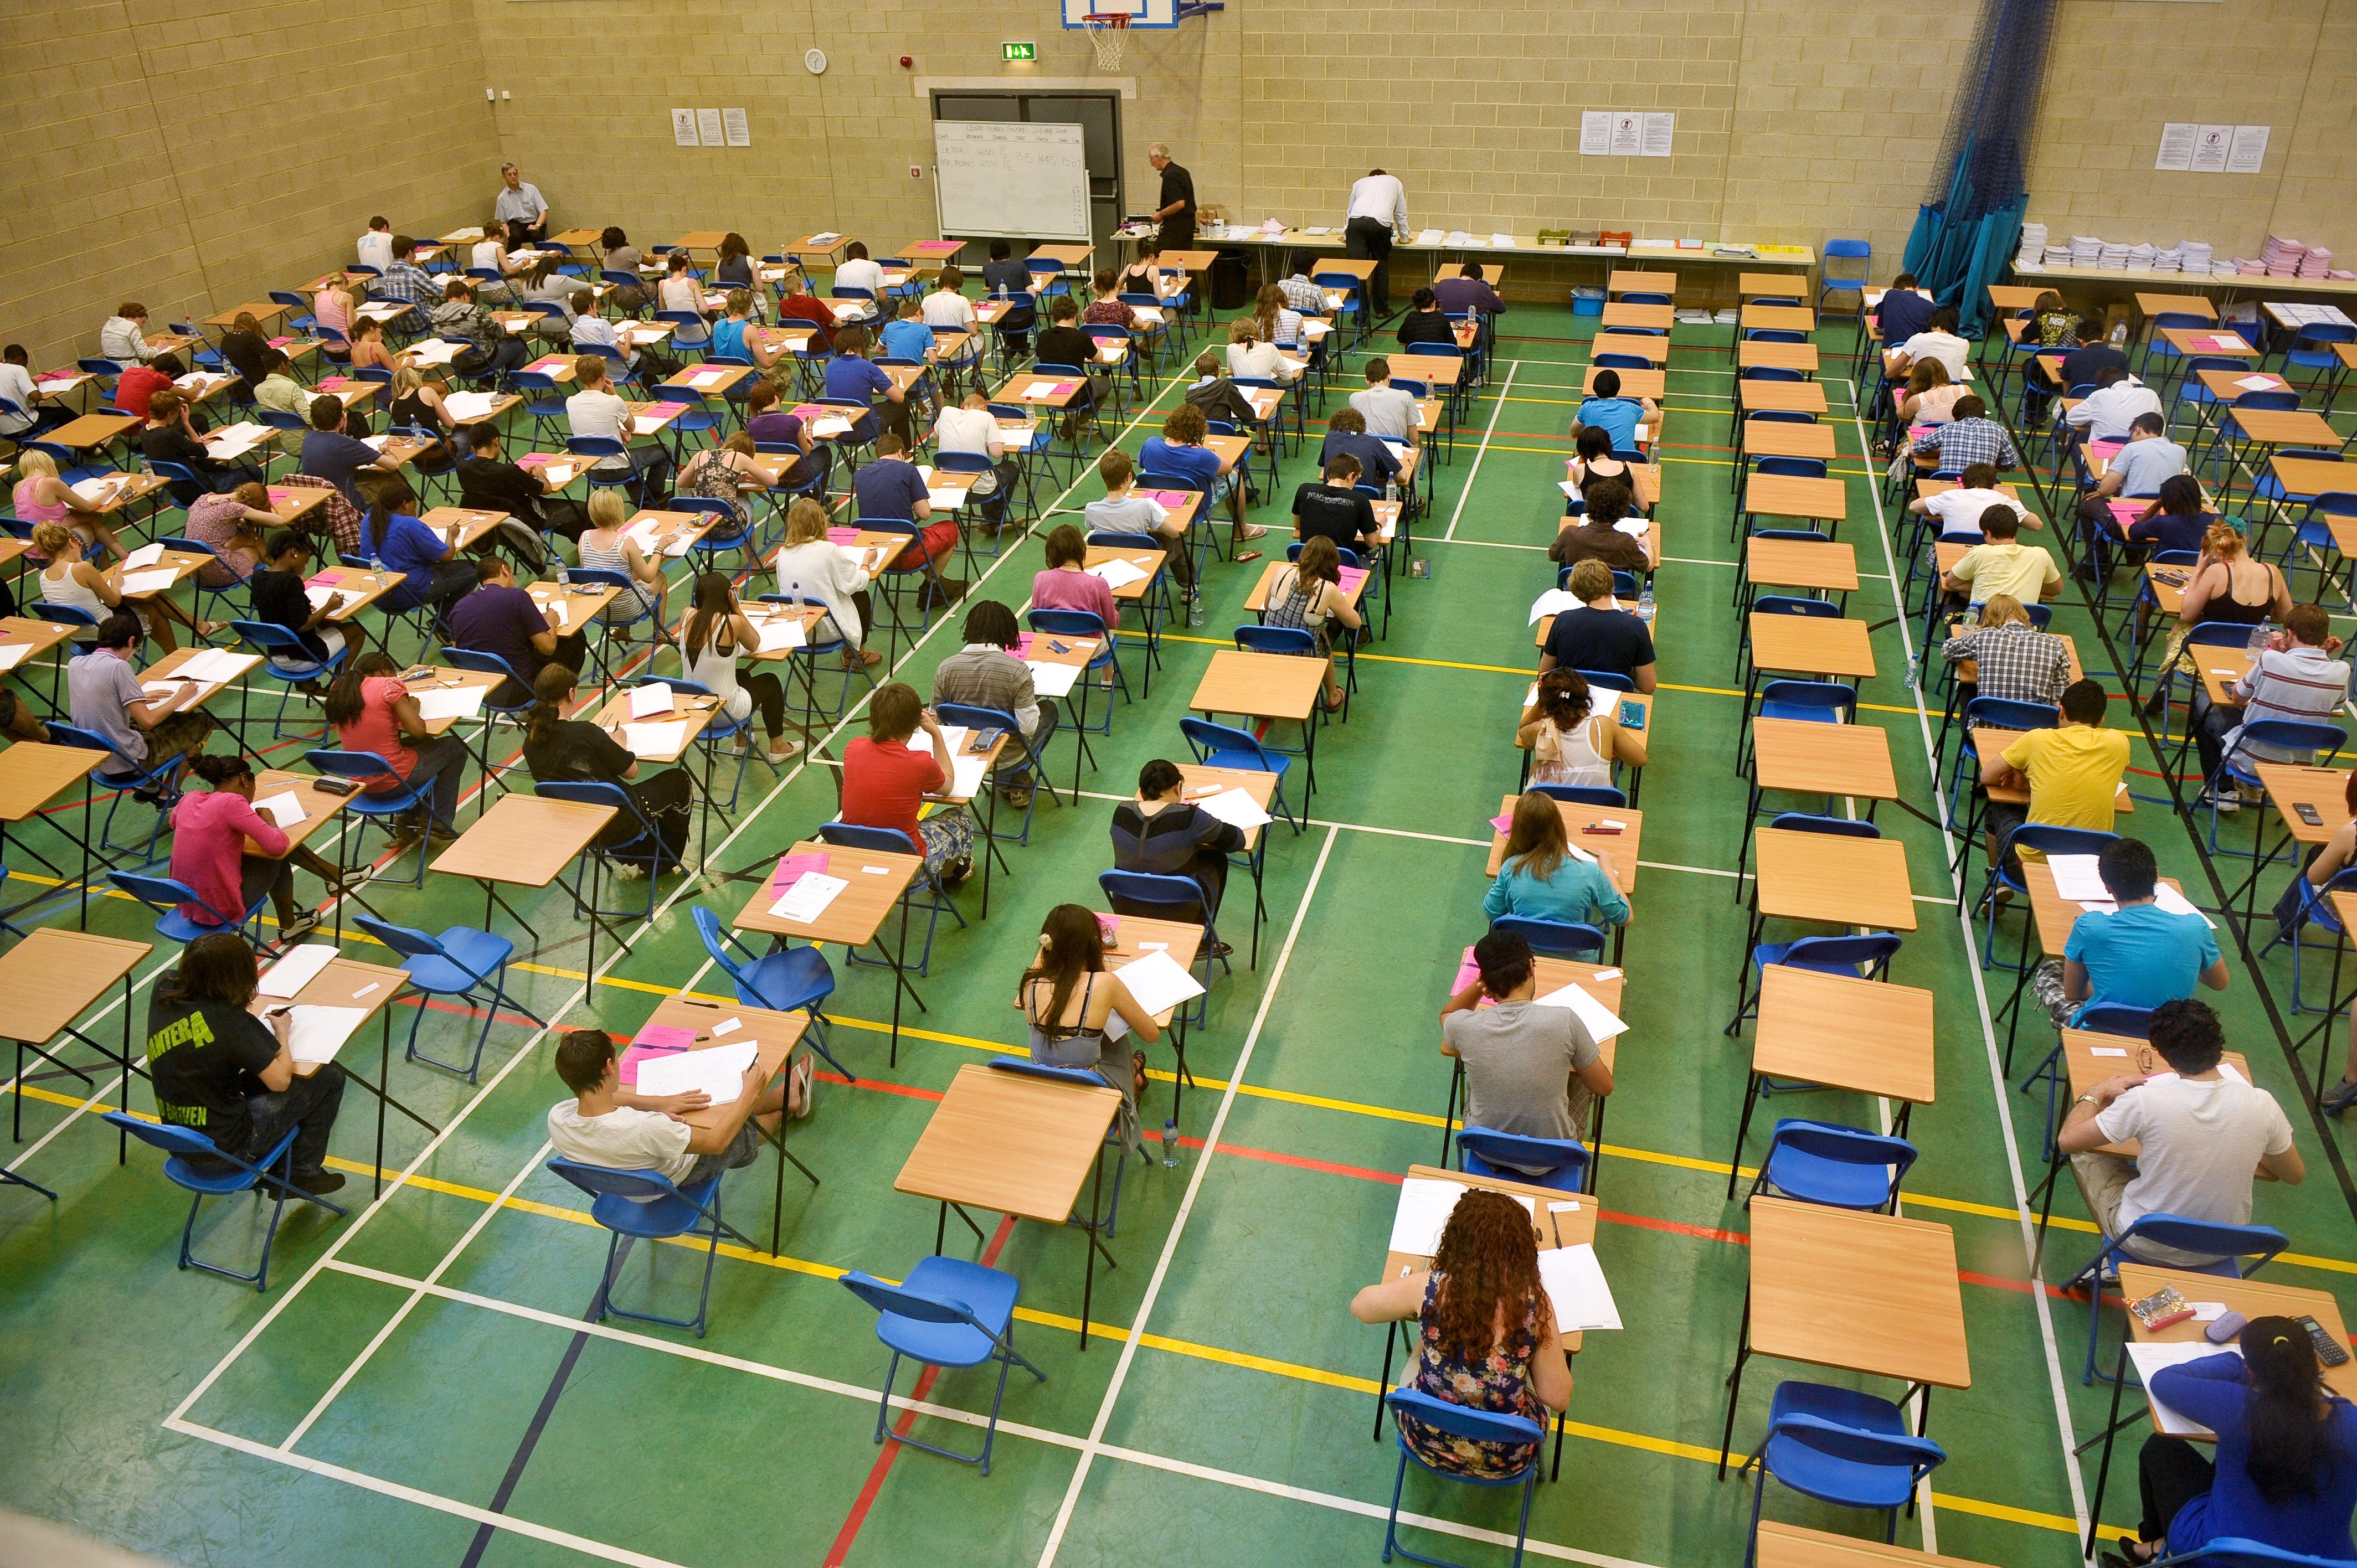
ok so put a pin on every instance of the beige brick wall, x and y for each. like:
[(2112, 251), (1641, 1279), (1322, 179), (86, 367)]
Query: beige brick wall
[(194, 153)]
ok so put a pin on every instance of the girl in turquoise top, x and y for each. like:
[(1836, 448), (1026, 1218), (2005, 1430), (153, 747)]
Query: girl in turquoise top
[(1541, 879)]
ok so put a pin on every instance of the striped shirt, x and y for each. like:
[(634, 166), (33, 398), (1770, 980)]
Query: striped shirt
[(2299, 685), (407, 280)]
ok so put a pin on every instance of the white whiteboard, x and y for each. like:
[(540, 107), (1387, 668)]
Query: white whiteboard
[(1022, 182)]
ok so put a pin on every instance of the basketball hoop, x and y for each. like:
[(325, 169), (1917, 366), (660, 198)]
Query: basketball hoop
[(1108, 32)]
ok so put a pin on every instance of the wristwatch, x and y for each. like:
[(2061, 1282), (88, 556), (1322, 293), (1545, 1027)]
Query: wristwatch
[(2088, 1099)]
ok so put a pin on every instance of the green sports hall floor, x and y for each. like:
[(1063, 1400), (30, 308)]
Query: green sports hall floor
[(416, 1370)]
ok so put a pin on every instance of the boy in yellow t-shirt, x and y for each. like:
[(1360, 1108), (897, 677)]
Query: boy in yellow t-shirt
[(2001, 563), (2074, 772)]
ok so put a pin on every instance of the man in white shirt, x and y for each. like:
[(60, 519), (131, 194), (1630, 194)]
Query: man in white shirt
[(614, 1128), (16, 386), (2201, 1128), (948, 309), (375, 247), (1940, 342), (1389, 411), (124, 337), (594, 410), (859, 271), (520, 209), (1959, 510), (2105, 414), (1376, 221)]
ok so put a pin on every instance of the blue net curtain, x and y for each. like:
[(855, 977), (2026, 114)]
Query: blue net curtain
[(1971, 217)]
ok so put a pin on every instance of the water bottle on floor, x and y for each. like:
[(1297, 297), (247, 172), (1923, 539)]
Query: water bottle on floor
[(1170, 1142)]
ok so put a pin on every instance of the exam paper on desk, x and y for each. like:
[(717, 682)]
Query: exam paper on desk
[(1425, 1204), (718, 1071), (297, 969)]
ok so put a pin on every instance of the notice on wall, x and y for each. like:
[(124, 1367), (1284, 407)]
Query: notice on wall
[(1658, 131), (2211, 145), (1607, 132), (682, 128), (2176, 145), (707, 126), (1628, 135), (735, 127), (1595, 133), (2212, 149), (2248, 150)]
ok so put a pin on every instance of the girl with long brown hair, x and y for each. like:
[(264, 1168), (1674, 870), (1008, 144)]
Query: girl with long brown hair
[(1070, 1003), (718, 635), (1488, 1338)]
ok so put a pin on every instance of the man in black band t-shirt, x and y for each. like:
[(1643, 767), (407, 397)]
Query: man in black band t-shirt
[(1177, 211)]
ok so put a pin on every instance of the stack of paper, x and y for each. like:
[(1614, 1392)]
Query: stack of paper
[(655, 740), (2076, 876), (1052, 680), (809, 898), (213, 665), (451, 701), (651, 699), (237, 440), (145, 556), (101, 490), (965, 777), (1425, 1204), (1236, 809), (13, 654), (716, 1072), (1555, 601), (469, 407), (1597, 1019), (781, 632), (319, 1033), (1156, 982), (1118, 574), (1574, 1283), (149, 581), (2149, 1360), (954, 734)]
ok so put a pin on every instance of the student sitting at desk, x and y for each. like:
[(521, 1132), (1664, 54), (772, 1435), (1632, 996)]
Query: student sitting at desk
[(1388, 411), (490, 254), (1179, 452), (368, 350), (733, 264), (2014, 661), (947, 309), (1276, 321), (681, 291), (1594, 635), (734, 337), (1937, 341), (405, 280), (17, 384), (278, 391), (906, 335), (1903, 311), (1543, 879), (497, 618), (591, 331), (1425, 322), (1070, 1003), (1617, 416), (2201, 1137), (2140, 955), (1307, 594), (1252, 357), (103, 695), (1105, 307), (2139, 468), (1569, 743), (724, 473), (971, 430), (859, 271), (335, 308), (850, 375), (1468, 291), (1064, 343), (1065, 584), (1596, 463), (2178, 520), (621, 255), (2074, 771), (230, 524), (276, 590), (1970, 436), (124, 336), (1486, 1338), (417, 405), (171, 438), (2090, 357), (891, 488), (1163, 834), (617, 1129), (598, 410), (210, 830), (41, 496), (2285, 1473), (560, 750), (2002, 564), (1596, 535), (1216, 395), (374, 249), (798, 303), (1930, 397), (986, 673), (1346, 433), (246, 348), (392, 533), (68, 580), (1959, 508), (771, 424), (1123, 510), (1144, 274), (135, 387), (2105, 414), (219, 1070), (885, 783), (717, 638), (1004, 278), (545, 282), (373, 711), (812, 566), (489, 482), (2296, 679), (1529, 1069), (1336, 510)]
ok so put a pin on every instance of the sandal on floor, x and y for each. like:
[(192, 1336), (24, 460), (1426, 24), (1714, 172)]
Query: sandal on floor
[(1137, 1075)]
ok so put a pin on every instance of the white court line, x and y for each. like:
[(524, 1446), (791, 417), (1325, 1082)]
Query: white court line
[(1465, 491), (1186, 1210), (1998, 1080)]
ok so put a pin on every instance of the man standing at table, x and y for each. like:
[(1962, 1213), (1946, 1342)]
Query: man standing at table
[(520, 209), (1177, 212), (1376, 219)]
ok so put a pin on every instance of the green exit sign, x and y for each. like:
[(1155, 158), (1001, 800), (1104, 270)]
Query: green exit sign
[(1018, 51)]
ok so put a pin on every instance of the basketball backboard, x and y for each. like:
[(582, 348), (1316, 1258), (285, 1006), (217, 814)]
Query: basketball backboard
[(1143, 13)]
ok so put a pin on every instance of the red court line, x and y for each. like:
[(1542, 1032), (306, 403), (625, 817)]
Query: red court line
[(845, 1537)]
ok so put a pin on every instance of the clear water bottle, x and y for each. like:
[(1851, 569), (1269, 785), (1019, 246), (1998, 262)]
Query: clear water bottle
[(2259, 636), (1646, 602), (1195, 608), (1170, 1142)]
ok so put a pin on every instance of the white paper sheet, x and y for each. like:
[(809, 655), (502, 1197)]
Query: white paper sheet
[(1155, 981), (946, 500), (211, 664), (781, 633), (319, 1033), (283, 809), (652, 698), (149, 581), (647, 424), (1599, 1018), (321, 596), (2257, 383), (2177, 903), (812, 891), (467, 407), (1555, 601), (953, 733), (718, 1071), (14, 655), (555, 610), (655, 740), (1118, 574), (145, 556), (296, 969), (2076, 876), (1425, 1204), (452, 702), (434, 351), (965, 777), (1575, 1282), (1052, 680), (100, 490), (2147, 1360), (1236, 809)]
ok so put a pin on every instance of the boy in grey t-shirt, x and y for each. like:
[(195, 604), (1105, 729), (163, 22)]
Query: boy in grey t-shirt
[(103, 695), (1123, 510), (1531, 1070)]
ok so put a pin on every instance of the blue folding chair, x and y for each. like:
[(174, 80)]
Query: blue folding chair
[(791, 980), (544, 400), (1178, 900), (165, 894), (381, 807), (2239, 768), (892, 841), (2225, 1245), (947, 1313), (180, 1145), (1510, 1156), (1087, 624), (123, 777), (1480, 1426), (1024, 1067), (1223, 745), (285, 660), (461, 962), (1864, 957), (815, 648), (643, 850), (2316, 910), (2045, 838), (1579, 794), (1841, 1167), (1554, 939), (646, 1206), (1033, 777), (1839, 1447)]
